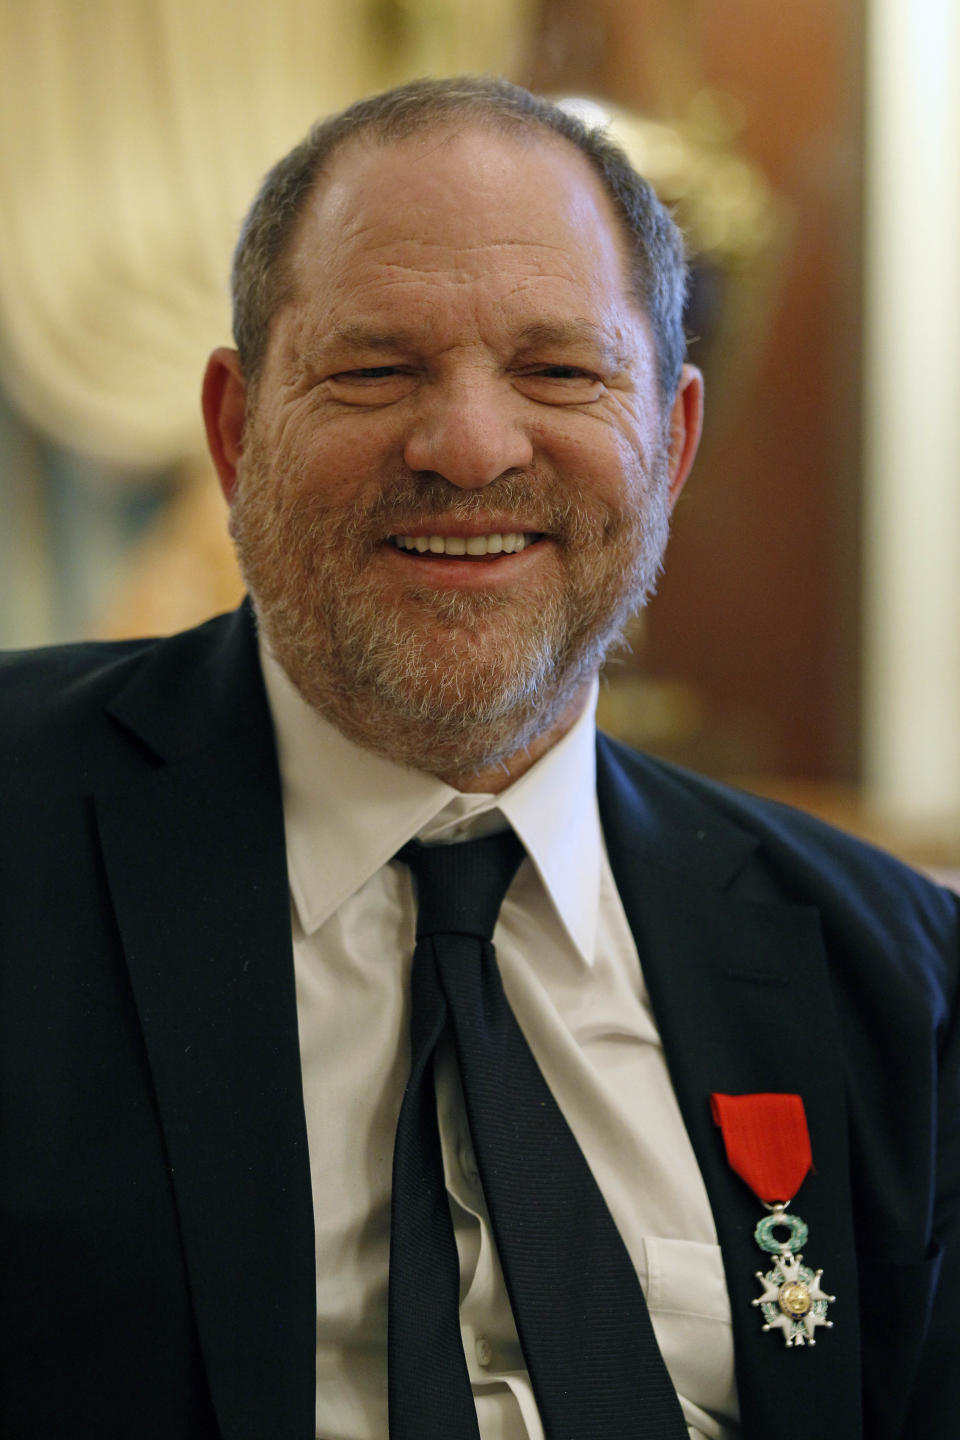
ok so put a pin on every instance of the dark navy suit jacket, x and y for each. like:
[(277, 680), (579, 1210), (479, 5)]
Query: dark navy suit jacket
[(155, 1205)]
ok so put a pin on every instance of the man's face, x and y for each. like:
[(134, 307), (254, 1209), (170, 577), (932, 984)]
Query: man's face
[(454, 486)]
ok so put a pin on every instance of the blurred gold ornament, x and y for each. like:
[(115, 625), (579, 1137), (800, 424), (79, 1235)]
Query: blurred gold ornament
[(734, 224)]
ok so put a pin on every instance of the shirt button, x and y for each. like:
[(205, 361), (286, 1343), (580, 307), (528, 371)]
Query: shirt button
[(484, 1351)]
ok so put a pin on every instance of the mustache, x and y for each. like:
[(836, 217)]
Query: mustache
[(535, 502), (420, 497)]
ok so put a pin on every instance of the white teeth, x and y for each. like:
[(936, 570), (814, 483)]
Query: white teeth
[(506, 544)]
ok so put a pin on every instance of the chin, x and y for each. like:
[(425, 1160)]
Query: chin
[(452, 701)]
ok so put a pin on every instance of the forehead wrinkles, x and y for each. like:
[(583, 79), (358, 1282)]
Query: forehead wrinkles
[(516, 290), (370, 261)]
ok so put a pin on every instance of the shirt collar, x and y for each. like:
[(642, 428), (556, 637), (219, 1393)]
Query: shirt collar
[(347, 811)]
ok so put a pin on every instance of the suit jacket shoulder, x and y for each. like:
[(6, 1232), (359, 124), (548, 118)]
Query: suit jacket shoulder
[(50, 691), (685, 821)]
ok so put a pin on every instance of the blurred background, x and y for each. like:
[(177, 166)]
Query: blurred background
[(805, 639)]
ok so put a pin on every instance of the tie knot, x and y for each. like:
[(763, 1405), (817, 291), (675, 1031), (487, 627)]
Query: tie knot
[(460, 888)]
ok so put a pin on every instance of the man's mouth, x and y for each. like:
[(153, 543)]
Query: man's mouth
[(509, 543)]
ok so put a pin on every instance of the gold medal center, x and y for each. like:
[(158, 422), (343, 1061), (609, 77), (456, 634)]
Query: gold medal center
[(794, 1298)]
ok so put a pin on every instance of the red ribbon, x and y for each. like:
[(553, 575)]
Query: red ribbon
[(767, 1142)]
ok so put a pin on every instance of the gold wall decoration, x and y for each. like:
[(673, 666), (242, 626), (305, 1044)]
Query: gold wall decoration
[(734, 223)]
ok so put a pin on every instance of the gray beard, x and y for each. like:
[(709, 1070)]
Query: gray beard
[(454, 682)]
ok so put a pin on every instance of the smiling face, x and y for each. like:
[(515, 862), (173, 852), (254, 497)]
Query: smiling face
[(456, 470)]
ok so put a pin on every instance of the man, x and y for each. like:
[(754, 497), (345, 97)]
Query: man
[(451, 435)]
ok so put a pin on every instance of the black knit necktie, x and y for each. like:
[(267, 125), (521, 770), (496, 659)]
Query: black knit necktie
[(581, 1317)]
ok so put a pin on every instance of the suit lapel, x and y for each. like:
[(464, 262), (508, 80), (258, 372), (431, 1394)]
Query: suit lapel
[(742, 1000), (194, 851)]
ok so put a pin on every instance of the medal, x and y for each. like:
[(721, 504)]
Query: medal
[(768, 1146)]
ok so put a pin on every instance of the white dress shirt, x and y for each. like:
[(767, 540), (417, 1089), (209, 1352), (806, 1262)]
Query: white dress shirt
[(572, 975)]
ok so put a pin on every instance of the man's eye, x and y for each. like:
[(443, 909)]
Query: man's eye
[(369, 372), (371, 384), (560, 384), (563, 372)]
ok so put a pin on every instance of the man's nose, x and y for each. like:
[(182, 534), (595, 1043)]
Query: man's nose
[(471, 435)]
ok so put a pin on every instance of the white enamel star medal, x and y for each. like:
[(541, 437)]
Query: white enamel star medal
[(768, 1145), (793, 1299)]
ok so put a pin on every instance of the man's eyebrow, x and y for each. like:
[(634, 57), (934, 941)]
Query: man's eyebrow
[(356, 335), (570, 332), (360, 335)]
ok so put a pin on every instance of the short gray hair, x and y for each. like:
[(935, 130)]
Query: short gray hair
[(261, 278)]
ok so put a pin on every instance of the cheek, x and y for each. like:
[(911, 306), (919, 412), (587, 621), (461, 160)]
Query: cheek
[(603, 457), (340, 460)]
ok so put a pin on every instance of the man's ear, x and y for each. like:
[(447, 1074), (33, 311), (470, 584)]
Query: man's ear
[(686, 422), (224, 413)]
